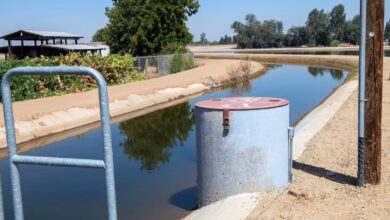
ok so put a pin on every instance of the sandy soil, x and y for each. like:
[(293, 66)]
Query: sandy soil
[(324, 175)]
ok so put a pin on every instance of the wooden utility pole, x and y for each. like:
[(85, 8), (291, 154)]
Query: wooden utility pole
[(374, 80)]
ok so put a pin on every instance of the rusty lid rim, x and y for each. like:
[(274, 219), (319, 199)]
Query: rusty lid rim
[(242, 103)]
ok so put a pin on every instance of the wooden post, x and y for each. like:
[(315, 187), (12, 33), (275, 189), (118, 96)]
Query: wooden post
[(374, 80), (22, 50), (9, 49)]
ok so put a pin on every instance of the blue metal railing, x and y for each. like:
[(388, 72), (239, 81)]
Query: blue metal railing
[(15, 159)]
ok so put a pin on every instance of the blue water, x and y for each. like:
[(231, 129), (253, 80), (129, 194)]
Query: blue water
[(154, 155)]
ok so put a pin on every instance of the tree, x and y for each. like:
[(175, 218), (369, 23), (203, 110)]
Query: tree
[(241, 37), (225, 40), (337, 22), (150, 138), (203, 40), (296, 36), (352, 30), (257, 34), (318, 27), (101, 35), (221, 40), (144, 27)]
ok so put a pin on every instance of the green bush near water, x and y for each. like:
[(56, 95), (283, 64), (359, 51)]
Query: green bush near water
[(335, 43), (181, 62), (115, 69)]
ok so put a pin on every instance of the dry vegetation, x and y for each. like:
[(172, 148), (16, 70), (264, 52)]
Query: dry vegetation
[(240, 72)]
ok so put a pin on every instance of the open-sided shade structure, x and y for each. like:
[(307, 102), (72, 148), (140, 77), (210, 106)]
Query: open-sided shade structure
[(29, 43)]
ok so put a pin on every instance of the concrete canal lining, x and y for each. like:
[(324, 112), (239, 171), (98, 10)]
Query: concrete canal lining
[(48, 116)]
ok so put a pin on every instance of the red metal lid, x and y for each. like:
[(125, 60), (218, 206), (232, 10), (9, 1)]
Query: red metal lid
[(242, 103)]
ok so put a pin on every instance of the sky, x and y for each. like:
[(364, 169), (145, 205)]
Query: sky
[(214, 17)]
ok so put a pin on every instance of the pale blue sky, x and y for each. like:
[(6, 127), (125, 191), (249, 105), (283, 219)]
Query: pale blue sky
[(214, 18)]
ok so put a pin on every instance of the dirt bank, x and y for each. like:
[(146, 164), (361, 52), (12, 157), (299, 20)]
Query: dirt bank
[(48, 116), (324, 175), (212, 48), (337, 62)]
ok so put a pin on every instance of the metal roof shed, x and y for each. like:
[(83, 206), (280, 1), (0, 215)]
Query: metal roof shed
[(47, 43)]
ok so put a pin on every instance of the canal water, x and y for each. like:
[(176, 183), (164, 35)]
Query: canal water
[(349, 53), (154, 155)]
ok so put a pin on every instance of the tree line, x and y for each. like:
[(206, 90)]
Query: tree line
[(204, 41), (321, 29), (157, 26)]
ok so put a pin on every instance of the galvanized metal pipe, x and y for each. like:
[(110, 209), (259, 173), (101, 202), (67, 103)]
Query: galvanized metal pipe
[(362, 90), (11, 143), (57, 161), (14, 158)]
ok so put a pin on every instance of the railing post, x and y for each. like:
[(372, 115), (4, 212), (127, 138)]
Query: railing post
[(15, 159)]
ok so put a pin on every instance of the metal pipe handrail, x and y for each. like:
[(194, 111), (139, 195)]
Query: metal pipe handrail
[(15, 159)]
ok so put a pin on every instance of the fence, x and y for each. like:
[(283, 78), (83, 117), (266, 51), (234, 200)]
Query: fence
[(160, 65)]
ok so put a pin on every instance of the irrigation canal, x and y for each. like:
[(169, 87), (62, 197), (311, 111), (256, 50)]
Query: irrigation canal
[(154, 155)]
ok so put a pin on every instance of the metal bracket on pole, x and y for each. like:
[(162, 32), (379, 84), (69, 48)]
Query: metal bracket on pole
[(291, 133), (15, 159)]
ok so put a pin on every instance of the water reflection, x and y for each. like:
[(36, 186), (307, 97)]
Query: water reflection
[(336, 74), (240, 88), (273, 66), (149, 138)]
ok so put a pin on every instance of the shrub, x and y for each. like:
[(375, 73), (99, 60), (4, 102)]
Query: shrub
[(335, 43), (114, 68), (181, 62), (239, 72)]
